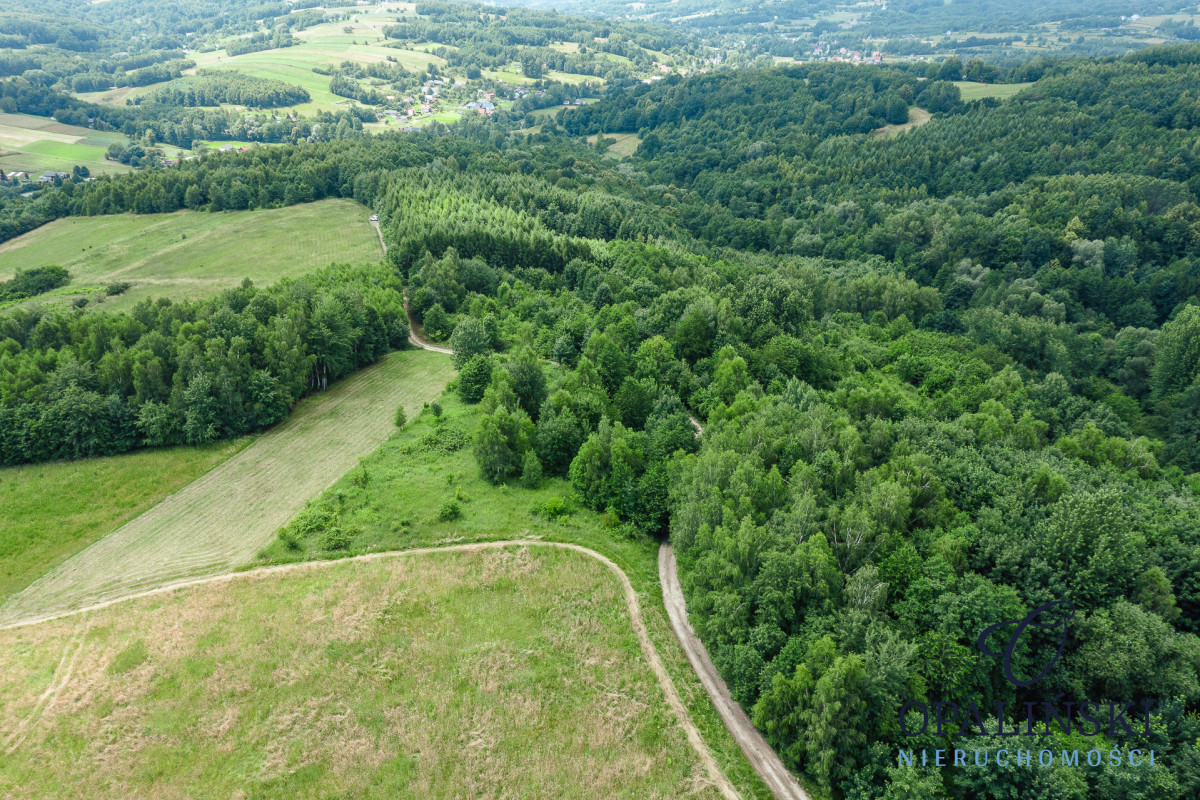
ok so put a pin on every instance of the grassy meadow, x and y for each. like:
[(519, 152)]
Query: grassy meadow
[(192, 254), (626, 144), (498, 673), (52, 511), (40, 144), (977, 91), (220, 521), (398, 499)]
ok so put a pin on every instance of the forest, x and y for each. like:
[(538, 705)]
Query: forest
[(78, 385), (209, 88), (943, 377)]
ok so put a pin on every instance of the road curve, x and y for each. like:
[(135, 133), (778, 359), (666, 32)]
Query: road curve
[(413, 338), (762, 756), (715, 775)]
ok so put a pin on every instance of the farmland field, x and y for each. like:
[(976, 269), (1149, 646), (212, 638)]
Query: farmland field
[(395, 501), (39, 144), (52, 511), (976, 91), (220, 521), (192, 254), (500, 673)]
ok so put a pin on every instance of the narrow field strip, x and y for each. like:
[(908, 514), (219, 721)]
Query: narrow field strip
[(220, 521)]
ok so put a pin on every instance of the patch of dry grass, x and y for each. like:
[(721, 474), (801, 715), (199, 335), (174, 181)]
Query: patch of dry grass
[(501, 673)]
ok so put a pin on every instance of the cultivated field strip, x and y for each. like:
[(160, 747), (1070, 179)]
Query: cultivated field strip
[(221, 520)]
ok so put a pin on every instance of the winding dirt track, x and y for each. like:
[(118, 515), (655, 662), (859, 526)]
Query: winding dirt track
[(413, 338), (761, 755), (713, 771), (758, 751)]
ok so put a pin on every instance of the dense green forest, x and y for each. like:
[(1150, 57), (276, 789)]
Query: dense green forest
[(944, 377), (78, 385), (213, 89)]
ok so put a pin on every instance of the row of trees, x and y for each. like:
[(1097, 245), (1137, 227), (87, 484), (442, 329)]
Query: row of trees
[(211, 88), (78, 384)]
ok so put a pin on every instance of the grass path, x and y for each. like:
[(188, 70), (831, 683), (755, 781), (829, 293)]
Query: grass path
[(219, 522)]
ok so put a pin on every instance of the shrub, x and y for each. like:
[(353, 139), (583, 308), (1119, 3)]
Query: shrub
[(553, 508), (289, 539), (335, 538), (401, 417), (474, 378), (531, 471), (449, 511), (119, 287)]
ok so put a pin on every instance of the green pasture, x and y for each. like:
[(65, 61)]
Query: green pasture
[(40, 144), (192, 254), (53, 510), (976, 91)]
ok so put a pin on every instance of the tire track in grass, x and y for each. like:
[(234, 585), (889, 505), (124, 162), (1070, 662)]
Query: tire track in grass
[(62, 674), (221, 520)]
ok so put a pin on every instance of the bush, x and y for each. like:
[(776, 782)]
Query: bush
[(436, 408), (449, 511), (554, 508), (401, 417), (119, 287), (473, 378), (531, 471), (289, 539), (335, 538)]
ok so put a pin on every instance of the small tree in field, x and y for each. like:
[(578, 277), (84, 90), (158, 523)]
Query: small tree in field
[(401, 417), (531, 471)]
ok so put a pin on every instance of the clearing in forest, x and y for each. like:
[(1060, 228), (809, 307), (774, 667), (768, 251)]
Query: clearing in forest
[(501, 672), (916, 118), (220, 521), (970, 90), (192, 254), (624, 144)]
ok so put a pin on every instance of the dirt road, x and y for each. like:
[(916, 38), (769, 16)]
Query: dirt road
[(762, 757), (649, 652), (414, 338)]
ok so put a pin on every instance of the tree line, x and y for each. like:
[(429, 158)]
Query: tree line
[(75, 384)]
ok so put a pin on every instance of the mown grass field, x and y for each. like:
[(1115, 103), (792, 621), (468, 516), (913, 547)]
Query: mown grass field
[(52, 511), (626, 143), (220, 521), (976, 91), (508, 673), (395, 501), (192, 254), (39, 144), (916, 118)]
